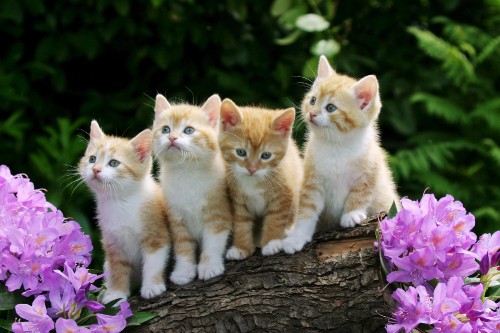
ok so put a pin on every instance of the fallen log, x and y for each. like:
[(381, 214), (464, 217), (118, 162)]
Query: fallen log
[(333, 285)]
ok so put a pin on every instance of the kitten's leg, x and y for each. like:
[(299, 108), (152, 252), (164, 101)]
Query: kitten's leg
[(281, 211), (155, 258), (311, 204), (185, 254), (357, 201), (243, 242), (117, 282), (215, 234)]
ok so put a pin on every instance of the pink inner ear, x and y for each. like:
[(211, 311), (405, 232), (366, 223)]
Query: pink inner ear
[(284, 124), (143, 152), (366, 97)]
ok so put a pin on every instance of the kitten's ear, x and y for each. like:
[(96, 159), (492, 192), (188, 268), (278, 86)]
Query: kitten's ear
[(283, 124), (365, 90), (96, 133), (161, 104), (212, 110), (142, 144), (324, 68), (230, 116)]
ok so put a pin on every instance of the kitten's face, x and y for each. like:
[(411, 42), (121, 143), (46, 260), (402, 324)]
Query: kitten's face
[(185, 133), (112, 165), (253, 141), (339, 104)]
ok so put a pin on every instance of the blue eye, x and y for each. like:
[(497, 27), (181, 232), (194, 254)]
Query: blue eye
[(312, 101), (92, 159), (165, 130), (330, 108), (189, 130), (113, 163), (241, 152), (265, 156)]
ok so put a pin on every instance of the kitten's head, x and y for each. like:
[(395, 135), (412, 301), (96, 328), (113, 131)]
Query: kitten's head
[(338, 104), (253, 141), (185, 132), (111, 164)]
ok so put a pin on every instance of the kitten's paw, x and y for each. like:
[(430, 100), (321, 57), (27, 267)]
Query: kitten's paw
[(111, 295), (295, 243), (210, 270), (274, 246), (152, 290), (352, 218), (183, 275), (235, 253)]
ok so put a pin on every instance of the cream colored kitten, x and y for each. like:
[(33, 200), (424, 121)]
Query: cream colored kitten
[(192, 177), (346, 175), (264, 175), (130, 211)]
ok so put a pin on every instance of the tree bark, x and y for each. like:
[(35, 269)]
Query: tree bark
[(333, 285)]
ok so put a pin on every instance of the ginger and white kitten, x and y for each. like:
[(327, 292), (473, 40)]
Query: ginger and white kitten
[(193, 182), (130, 211), (346, 175), (264, 175)]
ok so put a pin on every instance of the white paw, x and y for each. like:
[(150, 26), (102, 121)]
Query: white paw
[(274, 246), (352, 218), (210, 270), (183, 275), (295, 243), (235, 254), (111, 295), (152, 290)]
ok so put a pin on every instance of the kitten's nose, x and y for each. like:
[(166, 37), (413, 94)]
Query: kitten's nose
[(312, 115), (172, 138), (96, 171), (251, 170)]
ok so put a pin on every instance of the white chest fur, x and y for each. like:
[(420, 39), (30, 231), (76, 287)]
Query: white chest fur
[(187, 190), (255, 194)]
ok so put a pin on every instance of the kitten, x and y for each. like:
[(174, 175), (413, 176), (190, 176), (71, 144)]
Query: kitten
[(193, 181), (264, 175), (346, 175), (130, 211)]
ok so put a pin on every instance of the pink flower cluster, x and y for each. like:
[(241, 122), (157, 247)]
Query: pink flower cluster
[(429, 246), (46, 255)]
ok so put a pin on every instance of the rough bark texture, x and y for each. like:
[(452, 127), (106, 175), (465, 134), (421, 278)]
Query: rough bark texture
[(332, 285)]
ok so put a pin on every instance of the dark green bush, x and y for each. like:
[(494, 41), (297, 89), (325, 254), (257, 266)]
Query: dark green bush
[(64, 63)]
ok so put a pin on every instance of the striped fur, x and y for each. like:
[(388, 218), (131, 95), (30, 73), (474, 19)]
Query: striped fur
[(260, 188), (130, 210), (346, 174), (192, 177)]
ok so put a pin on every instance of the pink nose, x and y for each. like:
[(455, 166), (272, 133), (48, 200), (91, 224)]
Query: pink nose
[(96, 171), (251, 170), (172, 138), (312, 115)]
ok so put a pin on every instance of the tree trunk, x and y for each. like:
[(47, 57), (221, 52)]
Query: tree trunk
[(332, 285)]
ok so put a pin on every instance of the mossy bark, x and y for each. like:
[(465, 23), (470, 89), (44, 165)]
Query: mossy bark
[(333, 285)]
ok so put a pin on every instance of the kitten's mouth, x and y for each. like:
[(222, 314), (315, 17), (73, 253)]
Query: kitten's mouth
[(173, 147)]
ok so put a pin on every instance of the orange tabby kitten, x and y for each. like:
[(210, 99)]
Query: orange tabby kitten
[(264, 175), (130, 211), (346, 175), (193, 181)]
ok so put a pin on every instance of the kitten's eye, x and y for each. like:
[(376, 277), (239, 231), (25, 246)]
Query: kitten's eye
[(113, 163), (330, 108), (241, 152), (312, 101), (92, 159), (165, 130), (265, 156), (189, 130)]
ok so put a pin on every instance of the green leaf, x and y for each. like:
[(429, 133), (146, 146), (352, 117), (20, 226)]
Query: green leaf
[(488, 50), (441, 107), (280, 6), (326, 47), (6, 324), (156, 3), (139, 318), (289, 39), (9, 300), (393, 211), (311, 23)]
